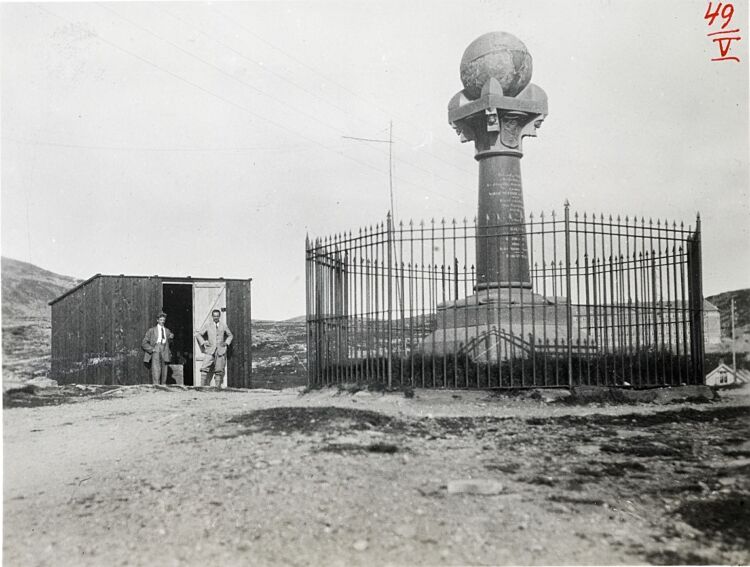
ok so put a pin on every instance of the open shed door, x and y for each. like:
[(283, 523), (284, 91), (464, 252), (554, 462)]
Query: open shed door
[(239, 319), (207, 296)]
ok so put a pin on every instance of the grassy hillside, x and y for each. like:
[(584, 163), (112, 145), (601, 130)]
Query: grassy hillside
[(279, 353), (27, 290)]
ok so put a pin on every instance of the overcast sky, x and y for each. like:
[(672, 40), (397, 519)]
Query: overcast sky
[(208, 139)]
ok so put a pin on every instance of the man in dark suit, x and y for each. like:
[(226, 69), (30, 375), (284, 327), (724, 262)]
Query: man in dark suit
[(156, 346), (214, 337)]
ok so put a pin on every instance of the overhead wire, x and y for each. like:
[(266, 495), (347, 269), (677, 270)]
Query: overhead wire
[(324, 123), (234, 22), (258, 64), (239, 106), (283, 149)]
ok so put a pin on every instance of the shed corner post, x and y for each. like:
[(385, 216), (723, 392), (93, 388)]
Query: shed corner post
[(250, 333)]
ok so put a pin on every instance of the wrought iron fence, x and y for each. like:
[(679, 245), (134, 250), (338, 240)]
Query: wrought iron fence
[(609, 301)]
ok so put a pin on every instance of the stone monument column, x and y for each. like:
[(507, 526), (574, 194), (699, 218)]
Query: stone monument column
[(497, 108)]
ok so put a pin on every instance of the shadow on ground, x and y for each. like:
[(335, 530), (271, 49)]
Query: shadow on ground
[(684, 471)]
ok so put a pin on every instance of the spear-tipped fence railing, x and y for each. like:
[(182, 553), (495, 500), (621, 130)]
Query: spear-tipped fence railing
[(614, 301)]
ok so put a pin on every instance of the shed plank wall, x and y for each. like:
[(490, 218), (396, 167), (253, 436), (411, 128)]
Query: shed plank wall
[(93, 311), (57, 364), (67, 349), (104, 370), (119, 346), (75, 337), (97, 330), (90, 314), (129, 350), (54, 341), (139, 297), (82, 334), (97, 354)]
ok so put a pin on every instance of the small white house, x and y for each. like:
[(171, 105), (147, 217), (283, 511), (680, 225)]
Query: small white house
[(722, 376)]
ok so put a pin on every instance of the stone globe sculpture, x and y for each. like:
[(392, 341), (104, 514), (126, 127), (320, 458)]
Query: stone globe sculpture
[(495, 54), (497, 107)]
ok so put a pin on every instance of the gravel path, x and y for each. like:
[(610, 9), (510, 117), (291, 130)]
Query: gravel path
[(144, 476)]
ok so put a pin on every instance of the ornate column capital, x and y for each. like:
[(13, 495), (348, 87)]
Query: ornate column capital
[(496, 123)]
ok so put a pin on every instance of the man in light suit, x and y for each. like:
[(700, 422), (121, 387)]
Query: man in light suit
[(156, 346), (214, 337)]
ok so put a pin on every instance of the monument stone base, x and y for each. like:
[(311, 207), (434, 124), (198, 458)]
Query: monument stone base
[(499, 324)]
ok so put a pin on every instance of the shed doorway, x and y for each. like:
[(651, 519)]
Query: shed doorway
[(188, 306), (177, 301), (207, 297)]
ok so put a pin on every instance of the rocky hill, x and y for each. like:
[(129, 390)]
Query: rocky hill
[(279, 353), (27, 290), (723, 350), (741, 310)]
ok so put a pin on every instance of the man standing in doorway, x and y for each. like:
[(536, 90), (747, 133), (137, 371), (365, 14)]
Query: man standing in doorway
[(214, 337), (156, 345)]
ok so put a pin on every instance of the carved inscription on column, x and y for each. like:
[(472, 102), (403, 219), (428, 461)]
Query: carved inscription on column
[(503, 256), (507, 196)]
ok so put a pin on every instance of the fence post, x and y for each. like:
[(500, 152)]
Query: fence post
[(308, 310), (389, 222), (568, 293), (701, 352)]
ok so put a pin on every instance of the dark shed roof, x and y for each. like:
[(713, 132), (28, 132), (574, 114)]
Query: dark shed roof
[(165, 278)]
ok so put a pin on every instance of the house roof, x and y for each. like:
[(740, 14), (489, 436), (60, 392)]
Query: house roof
[(742, 374)]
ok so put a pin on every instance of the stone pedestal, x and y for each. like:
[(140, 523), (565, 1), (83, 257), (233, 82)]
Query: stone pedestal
[(497, 108), (497, 324)]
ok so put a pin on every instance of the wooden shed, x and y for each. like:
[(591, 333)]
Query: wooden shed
[(98, 326)]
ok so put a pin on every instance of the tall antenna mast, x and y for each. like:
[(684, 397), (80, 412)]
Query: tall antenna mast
[(390, 168), (734, 353), (392, 226), (389, 141)]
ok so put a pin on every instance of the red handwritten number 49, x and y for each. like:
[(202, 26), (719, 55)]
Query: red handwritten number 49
[(725, 12)]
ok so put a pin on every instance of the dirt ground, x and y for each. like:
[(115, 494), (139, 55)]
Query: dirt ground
[(154, 476)]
